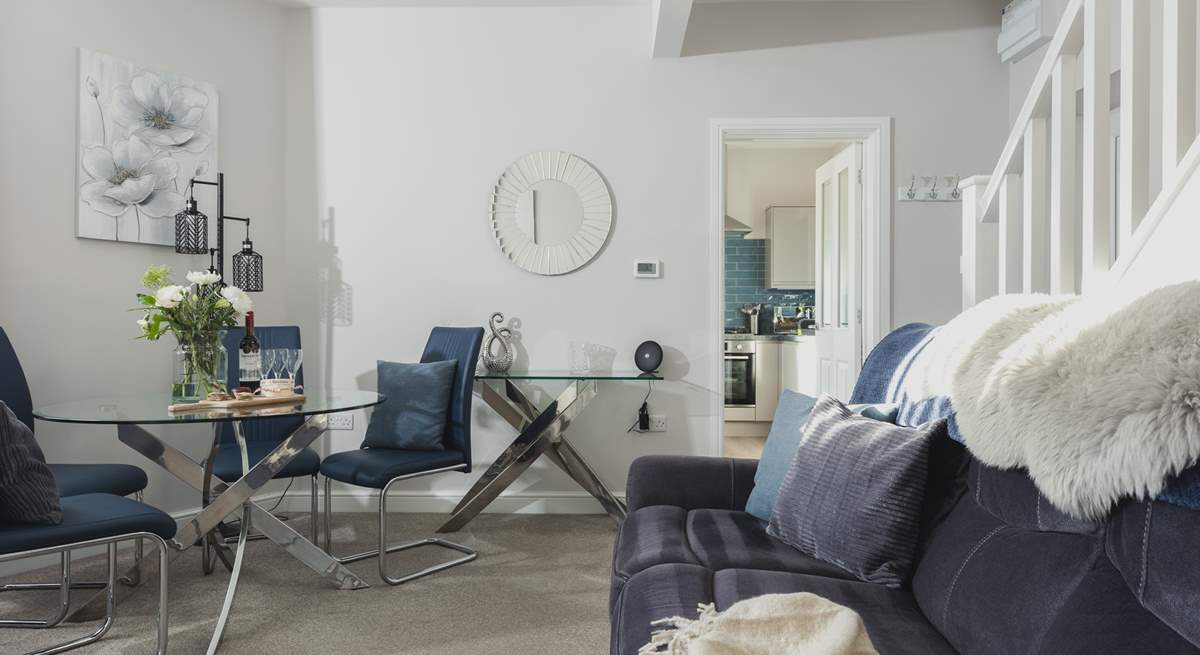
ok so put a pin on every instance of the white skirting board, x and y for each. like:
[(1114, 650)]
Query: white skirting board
[(399, 502), (297, 502)]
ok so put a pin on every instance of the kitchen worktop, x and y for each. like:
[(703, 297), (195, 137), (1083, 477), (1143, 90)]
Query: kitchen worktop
[(804, 334)]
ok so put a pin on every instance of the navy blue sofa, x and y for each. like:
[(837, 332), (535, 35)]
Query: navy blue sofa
[(999, 570)]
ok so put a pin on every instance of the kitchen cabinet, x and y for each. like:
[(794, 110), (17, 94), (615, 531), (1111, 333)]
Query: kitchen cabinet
[(791, 247), (798, 366), (766, 379)]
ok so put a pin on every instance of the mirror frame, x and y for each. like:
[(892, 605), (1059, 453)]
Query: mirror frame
[(594, 196)]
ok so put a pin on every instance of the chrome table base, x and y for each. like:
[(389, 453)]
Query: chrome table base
[(541, 433), (202, 529)]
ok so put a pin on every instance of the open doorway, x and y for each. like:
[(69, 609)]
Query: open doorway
[(801, 225)]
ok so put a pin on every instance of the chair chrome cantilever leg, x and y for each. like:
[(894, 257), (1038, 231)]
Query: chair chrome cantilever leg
[(110, 589), (384, 549)]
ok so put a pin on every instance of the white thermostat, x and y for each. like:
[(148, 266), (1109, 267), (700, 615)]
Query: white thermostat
[(647, 268)]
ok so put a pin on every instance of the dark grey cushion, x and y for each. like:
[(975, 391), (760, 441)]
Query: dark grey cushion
[(852, 496), (790, 416), (28, 493), (414, 415)]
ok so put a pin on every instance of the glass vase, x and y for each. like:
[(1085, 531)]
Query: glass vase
[(201, 367)]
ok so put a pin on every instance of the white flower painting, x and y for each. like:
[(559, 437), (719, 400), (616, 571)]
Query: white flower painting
[(143, 134)]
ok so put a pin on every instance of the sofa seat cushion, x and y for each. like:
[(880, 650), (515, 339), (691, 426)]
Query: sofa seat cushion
[(891, 616), (658, 592), (729, 539), (650, 536)]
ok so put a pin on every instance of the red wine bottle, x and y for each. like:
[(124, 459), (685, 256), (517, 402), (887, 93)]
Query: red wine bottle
[(249, 357)]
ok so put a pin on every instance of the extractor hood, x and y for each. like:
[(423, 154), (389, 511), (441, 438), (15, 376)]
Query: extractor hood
[(734, 225)]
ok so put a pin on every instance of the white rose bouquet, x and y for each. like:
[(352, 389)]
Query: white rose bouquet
[(195, 314)]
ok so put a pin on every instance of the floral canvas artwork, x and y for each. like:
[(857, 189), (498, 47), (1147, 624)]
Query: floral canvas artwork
[(143, 134)]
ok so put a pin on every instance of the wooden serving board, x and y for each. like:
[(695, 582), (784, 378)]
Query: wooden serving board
[(248, 403)]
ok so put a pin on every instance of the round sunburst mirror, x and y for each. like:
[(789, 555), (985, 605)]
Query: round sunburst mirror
[(551, 212)]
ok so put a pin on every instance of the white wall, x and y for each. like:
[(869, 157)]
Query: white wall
[(758, 176), (63, 300), (417, 111)]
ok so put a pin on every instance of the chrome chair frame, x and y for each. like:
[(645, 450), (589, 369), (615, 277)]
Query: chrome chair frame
[(65, 586), (133, 579), (384, 549)]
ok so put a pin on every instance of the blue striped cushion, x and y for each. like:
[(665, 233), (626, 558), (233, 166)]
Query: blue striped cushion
[(853, 494), (28, 493)]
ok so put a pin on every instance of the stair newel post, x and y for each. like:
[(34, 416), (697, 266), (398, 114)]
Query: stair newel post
[(979, 262)]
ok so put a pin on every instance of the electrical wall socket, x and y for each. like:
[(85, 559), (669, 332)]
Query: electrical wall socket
[(346, 421), (658, 423)]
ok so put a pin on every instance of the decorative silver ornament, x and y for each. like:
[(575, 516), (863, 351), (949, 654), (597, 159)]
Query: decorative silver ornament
[(501, 361)]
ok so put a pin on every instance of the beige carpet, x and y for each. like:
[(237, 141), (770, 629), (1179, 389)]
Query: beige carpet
[(540, 585)]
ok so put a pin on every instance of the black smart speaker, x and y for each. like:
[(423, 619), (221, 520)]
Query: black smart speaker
[(648, 356)]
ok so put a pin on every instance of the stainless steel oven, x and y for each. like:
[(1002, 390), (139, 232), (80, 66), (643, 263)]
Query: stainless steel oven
[(739, 374)]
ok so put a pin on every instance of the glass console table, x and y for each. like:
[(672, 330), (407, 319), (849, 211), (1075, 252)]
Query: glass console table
[(541, 433)]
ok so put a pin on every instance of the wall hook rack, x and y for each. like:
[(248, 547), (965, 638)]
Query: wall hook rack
[(930, 188)]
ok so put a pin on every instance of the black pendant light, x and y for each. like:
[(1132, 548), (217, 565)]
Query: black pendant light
[(191, 230), (248, 266), (191, 238)]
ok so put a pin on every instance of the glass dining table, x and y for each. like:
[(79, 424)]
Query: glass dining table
[(541, 433), (131, 413)]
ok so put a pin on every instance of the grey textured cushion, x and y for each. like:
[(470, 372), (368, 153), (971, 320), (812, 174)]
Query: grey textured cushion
[(852, 496), (414, 415), (28, 493), (790, 416)]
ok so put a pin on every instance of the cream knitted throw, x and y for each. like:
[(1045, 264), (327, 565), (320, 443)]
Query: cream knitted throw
[(774, 624)]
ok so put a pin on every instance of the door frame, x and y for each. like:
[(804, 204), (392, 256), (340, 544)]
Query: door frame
[(875, 133)]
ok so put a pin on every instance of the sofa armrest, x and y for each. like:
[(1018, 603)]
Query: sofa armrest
[(690, 482)]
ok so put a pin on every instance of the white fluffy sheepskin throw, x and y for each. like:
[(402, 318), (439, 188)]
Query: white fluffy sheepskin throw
[(1098, 397), (772, 624)]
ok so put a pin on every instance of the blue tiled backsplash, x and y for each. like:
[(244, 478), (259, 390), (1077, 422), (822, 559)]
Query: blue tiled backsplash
[(746, 281)]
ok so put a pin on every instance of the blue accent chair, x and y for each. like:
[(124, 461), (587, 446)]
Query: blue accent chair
[(71, 479), (90, 520), (262, 436), (380, 468)]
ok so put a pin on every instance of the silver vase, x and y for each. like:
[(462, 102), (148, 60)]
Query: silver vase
[(501, 361)]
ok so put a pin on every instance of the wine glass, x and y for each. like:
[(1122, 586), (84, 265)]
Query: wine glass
[(294, 359), (266, 363)]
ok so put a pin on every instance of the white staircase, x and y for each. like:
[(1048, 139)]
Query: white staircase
[(1072, 205)]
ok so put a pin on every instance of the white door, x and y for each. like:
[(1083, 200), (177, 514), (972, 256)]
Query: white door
[(839, 315)]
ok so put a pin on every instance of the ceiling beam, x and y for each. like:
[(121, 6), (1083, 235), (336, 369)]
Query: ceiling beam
[(670, 25)]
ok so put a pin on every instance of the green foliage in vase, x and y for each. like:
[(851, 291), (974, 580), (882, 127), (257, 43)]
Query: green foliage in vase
[(195, 314)]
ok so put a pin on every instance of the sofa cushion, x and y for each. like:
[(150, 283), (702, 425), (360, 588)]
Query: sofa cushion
[(790, 416), (786, 429), (656, 593), (713, 538), (649, 536), (891, 616), (853, 493), (724, 539)]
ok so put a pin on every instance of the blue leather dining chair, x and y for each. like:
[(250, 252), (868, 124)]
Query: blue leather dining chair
[(263, 435), (71, 479), (380, 468), (89, 521)]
